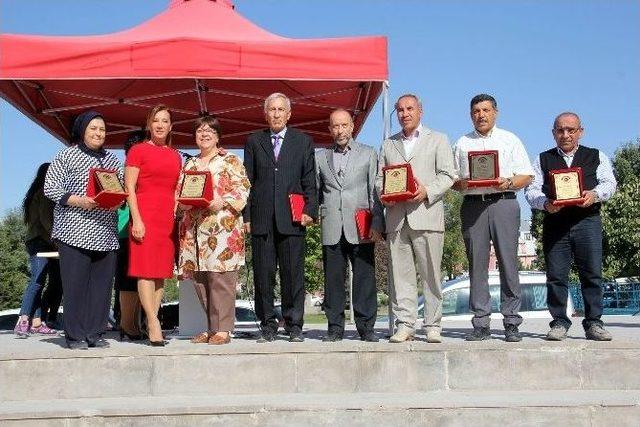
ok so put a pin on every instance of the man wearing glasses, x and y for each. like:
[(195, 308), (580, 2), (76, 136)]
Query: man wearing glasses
[(574, 230)]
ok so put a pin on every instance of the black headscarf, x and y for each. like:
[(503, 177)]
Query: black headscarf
[(80, 126)]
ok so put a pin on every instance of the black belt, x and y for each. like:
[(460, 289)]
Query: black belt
[(490, 197)]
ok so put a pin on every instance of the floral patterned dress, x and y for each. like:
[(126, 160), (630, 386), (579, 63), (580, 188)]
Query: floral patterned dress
[(214, 241)]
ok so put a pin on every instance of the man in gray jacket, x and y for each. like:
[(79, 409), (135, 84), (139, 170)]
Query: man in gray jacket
[(345, 176)]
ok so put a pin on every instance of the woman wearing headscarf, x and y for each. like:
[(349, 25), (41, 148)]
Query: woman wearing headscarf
[(85, 233), (212, 238), (152, 169)]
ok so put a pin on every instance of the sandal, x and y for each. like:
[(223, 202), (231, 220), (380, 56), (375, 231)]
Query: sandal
[(43, 329)]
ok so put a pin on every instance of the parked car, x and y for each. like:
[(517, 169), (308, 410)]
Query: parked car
[(245, 314), (455, 297)]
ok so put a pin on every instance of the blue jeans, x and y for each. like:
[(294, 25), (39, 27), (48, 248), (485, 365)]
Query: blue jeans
[(32, 297), (581, 241)]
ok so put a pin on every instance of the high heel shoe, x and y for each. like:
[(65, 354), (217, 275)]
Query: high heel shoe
[(131, 337), (153, 343)]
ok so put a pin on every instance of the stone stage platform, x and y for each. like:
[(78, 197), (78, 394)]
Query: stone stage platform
[(534, 382)]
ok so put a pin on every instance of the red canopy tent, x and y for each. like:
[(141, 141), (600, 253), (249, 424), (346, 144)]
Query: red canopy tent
[(199, 57)]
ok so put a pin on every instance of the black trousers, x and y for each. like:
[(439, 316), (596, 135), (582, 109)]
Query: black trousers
[(52, 294), (87, 277), (581, 241), (365, 302), (270, 251)]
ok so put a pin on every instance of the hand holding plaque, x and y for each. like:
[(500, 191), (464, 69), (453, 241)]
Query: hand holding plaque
[(196, 189), (398, 183), (105, 188), (484, 168), (566, 186)]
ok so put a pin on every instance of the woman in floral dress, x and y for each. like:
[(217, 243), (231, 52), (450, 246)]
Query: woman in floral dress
[(212, 238)]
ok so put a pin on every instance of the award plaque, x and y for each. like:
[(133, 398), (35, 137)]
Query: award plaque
[(566, 186), (484, 169), (363, 223), (196, 189), (296, 203), (398, 183), (105, 188)]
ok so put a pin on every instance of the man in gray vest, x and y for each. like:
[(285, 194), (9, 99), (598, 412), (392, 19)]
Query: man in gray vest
[(573, 230), (345, 176)]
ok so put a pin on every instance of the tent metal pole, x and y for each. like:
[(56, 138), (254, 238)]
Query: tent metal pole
[(386, 129), (385, 134)]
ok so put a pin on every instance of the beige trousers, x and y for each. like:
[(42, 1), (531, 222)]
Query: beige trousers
[(416, 252)]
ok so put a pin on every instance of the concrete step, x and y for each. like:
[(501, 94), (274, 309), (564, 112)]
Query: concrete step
[(450, 408), (182, 368)]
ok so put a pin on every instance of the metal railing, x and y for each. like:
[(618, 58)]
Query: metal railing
[(618, 298)]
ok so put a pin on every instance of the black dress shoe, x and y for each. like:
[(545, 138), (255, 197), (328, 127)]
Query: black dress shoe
[(130, 337), (267, 335), (479, 334), (77, 345), (295, 335), (369, 336), (98, 343), (332, 336), (161, 343)]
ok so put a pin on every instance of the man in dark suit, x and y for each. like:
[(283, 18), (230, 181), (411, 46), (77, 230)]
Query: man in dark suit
[(279, 162)]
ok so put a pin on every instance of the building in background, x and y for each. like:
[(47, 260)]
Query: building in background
[(526, 248)]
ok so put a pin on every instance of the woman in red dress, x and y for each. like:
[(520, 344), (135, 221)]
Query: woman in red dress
[(152, 169)]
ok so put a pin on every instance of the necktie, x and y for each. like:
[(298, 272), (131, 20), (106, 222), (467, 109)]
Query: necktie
[(277, 143)]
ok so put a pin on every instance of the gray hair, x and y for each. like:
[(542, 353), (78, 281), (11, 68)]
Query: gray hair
[(408, 95), (567, 113), (275, 95)]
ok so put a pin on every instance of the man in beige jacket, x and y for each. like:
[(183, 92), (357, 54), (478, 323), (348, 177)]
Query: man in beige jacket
[(415, 227)]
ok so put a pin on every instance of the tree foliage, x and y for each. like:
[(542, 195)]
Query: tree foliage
[(313, 270), (621, 215), (454, 258), (14, 265)]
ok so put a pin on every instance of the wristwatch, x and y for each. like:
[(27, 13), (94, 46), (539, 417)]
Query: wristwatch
[(510, 181)]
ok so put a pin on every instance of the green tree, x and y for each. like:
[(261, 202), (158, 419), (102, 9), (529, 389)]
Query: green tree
[(454, 258), (313, 270), (620, 215), (536, 232), (14, 265), (382, 265)]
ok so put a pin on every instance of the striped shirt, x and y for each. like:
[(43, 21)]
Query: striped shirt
[(68, 175)]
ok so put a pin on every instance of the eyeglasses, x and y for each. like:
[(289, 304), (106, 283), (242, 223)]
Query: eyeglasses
[(570, 131), (206, 130)]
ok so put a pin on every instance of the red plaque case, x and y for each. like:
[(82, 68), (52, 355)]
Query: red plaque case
[(201, 198), (398, 183), (296, 202), (569, 182), (106, 198), (363, 223), (481, 157)]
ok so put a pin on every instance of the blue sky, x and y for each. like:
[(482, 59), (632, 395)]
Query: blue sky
[(538, 58)]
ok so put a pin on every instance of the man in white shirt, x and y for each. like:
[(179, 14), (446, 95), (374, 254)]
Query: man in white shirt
[(492, 214), (415, 227)]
